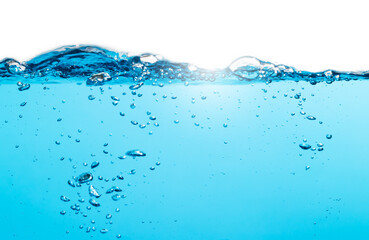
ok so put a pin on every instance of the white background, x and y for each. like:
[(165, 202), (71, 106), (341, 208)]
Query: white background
[(310, 35)]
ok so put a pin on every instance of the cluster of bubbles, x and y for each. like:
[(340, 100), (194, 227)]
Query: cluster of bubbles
[(99, 66), (87, 181)]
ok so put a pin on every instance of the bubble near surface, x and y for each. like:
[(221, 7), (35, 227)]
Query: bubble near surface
[(99, 66)]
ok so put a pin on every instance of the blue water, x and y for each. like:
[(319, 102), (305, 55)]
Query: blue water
[(253, 151)]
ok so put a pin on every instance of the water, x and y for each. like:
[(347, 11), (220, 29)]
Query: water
[(105, 145)]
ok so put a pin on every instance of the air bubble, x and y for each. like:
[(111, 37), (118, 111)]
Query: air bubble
[(24, 87), (95, 164), (91, 97), (93, 192), (113, 189), (115, 98), (135, 87), (94, 203), (14, 66), (98, 79), (84, 177), (247, 68), (104, 230), (305, 146), (116, 197), (64, 198), (136, 153)]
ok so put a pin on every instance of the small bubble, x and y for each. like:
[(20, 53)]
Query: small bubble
[(64, 198), (328, 136), (84, 177), (135, 87), (115, 98), (94, 203), (311, 118), (133, 106), (136, 153), (71, 183), (113, 189), (104, 230), (176, 121), (24, 87), (120, 177), (95, 164), (108, 216), (116, 197), (91, 97), (305, 146), (23, 104), (225, 125)]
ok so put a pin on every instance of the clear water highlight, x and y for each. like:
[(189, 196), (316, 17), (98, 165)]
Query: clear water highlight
[(97, 144)]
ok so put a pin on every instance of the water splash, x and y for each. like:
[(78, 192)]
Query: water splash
[(96, 66)]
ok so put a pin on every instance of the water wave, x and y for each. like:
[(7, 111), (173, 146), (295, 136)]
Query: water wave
[(97, 66)]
